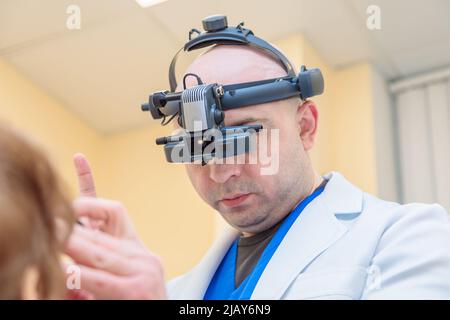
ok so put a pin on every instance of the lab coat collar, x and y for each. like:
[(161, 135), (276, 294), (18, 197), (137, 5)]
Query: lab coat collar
[(198, 279), (340, 196), (317, 228), (312, 233)]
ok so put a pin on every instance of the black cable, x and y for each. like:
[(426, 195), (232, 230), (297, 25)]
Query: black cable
[(199, 80), (164, 122)]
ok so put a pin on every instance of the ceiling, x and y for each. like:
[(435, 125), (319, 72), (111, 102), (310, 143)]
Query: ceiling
[(104, 71)]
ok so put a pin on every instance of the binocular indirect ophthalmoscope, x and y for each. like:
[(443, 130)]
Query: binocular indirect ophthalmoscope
[(200, 109)]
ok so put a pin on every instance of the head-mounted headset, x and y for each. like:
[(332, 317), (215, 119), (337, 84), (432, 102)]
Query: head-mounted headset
[(200, 109)]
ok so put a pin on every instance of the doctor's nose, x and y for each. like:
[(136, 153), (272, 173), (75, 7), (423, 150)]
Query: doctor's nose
[(221, 173)]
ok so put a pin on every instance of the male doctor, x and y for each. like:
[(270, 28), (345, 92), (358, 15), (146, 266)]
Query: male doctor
[(293, 235)]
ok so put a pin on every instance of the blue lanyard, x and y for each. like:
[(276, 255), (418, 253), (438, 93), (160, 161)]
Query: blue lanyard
[(222, 285)]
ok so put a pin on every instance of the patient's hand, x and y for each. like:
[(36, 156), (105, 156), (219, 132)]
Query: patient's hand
[(114, 263)]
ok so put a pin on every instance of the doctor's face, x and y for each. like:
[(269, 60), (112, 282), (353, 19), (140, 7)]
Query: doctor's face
[(254, 191)]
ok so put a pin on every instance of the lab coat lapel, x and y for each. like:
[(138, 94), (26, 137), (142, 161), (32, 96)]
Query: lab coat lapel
[(200, 277), (313, 232)]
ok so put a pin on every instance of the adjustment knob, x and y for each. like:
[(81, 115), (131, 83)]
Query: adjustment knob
[(219, 116), (215, 23)]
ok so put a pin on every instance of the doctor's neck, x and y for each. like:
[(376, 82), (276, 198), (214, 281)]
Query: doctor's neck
[(317, 181)]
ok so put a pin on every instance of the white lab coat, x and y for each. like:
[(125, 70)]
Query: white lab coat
[(346, 244)]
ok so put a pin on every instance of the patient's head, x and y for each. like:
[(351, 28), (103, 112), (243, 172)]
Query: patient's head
[(35, 220)]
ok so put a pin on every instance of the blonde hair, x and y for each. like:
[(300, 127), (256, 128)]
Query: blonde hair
[(32, 204)]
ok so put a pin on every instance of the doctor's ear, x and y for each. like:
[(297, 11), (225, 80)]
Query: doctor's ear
[(307, 119)]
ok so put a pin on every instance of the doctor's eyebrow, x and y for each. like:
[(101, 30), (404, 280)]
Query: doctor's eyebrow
[(247, 120)]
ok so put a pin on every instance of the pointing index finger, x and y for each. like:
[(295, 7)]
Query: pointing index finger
[(85, 177)]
